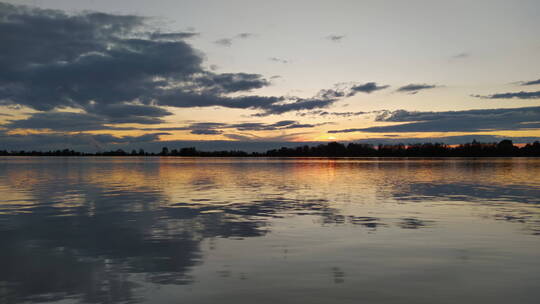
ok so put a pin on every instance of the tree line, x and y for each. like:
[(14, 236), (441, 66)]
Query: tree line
[(504, 148), (473, 149)]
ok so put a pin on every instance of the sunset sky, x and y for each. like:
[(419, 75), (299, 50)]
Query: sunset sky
[(98, 74)]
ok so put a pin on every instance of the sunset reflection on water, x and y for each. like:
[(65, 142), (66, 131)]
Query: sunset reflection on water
[(249, 230)]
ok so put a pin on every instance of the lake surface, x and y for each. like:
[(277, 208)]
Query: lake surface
[(223, 230)]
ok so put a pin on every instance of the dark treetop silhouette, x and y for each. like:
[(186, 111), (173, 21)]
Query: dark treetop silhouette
[(505, 148)]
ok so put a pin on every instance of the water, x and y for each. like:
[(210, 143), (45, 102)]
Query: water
[(191, 230)]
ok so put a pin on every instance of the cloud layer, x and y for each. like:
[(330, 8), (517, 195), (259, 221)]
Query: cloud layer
[(110, 65), (532, 82), (455, 121), (81, 142), (511, 95)]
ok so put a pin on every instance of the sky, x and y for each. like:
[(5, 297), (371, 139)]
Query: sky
[(91, 75)]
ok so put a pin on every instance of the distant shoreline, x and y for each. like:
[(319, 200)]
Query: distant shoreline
[(504, 148), (267, 157)]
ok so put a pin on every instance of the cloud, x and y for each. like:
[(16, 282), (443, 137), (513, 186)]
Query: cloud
[(368, 87), (511, 95), (323, 99), (98, 62), (206, 132), (238, 137), (449, 140), (335, 38), (326, 113), (455, 121), (245, 35), (111, 68), (80, 141), (129, 113), (72, 122), (415, 88), (104, 119), (532, 82), (280, 60), (224, 42), (189, 100), (217, 128), (247, 138), (44, 66), (280, 125), (299, 104), (231, 82), (61, 121), (173, 36), (108, 70)]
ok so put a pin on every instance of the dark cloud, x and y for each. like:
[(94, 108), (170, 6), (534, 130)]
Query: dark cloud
[(206, 132), (129, 113), (36, 36), (517, 95), (532, 82), (335, 38), (69, 121), (45, 66), (299, 104), (232, 82), (415, 88), (323, 99), (173, 36), (368, 87), (60, 121), (449, 140), (188, 100), (283, 123), (111, 66), (456, 121), (125, 74), (80, 141), (207, 125)]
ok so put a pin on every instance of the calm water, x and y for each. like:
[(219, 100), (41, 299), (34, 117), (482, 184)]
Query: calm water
[(188, 230)]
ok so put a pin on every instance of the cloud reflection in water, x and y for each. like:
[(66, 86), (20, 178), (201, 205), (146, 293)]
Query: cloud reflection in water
[(101, 230)]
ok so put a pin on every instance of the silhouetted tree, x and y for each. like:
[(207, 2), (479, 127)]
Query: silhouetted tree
[(164, 151)]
